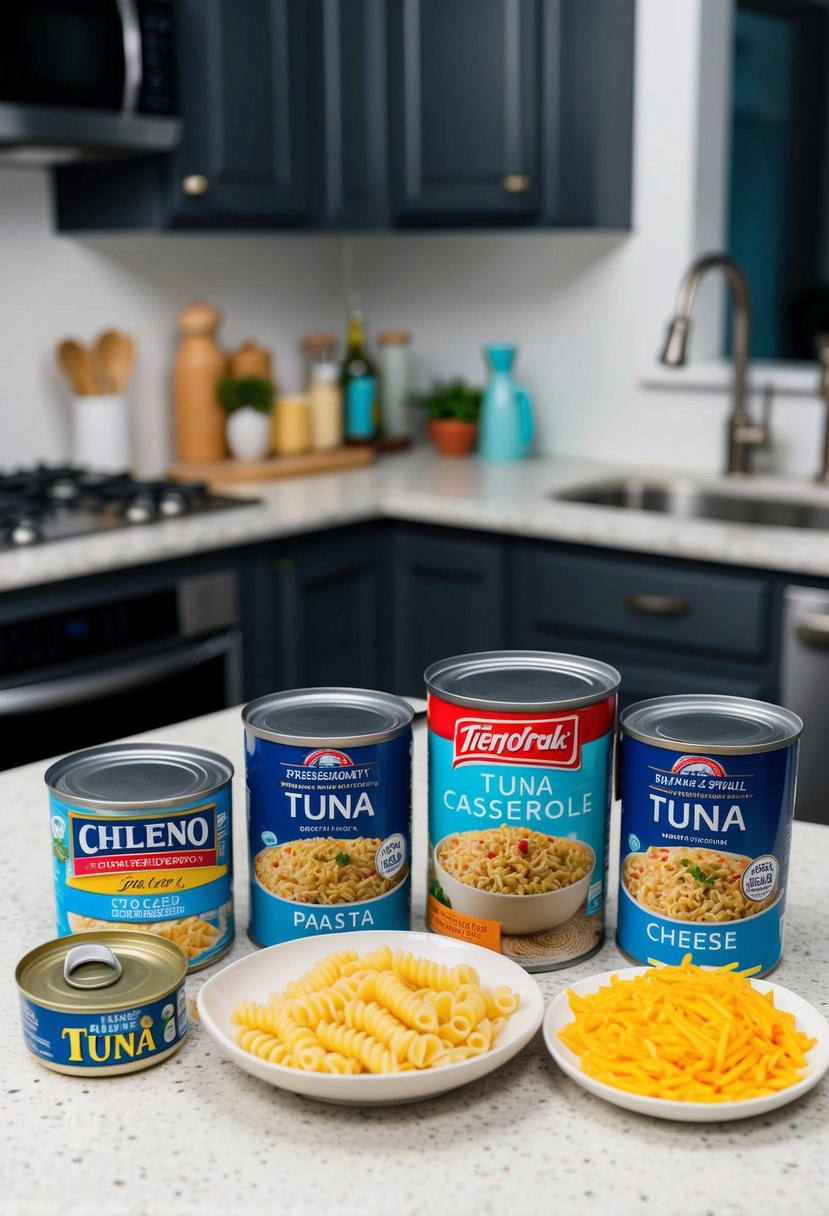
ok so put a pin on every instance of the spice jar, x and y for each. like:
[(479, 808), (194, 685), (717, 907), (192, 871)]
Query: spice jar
[(395, 415), (249, 359), (291, 433), (325, 407), (319, 347)]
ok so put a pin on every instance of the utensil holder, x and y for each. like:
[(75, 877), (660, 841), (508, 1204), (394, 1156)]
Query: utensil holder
[(101, 433)]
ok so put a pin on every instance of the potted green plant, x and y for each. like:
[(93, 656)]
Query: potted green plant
[(453, 410), (248, 404)]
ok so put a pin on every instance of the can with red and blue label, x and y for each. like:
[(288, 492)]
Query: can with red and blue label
[(708, 786), (329, 784), (142, 839), (520, 760)]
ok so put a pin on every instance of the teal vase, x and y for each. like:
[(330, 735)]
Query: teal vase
[(506, 423)]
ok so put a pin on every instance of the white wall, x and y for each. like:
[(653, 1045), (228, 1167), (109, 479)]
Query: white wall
[(272, 288), (588, 310)]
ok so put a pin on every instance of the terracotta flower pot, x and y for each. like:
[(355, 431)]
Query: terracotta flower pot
[(452, 437)]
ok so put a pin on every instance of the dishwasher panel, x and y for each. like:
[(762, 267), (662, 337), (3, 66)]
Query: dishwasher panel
[(804, 688)]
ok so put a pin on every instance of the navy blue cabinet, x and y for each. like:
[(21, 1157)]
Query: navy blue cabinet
[(246, 100), (448, 597), (376, 114), (351, 179), (465, 109), (669, 627), (245, 93), (328, 612)]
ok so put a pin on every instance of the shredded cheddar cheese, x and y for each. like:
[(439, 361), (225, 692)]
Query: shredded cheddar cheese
[(687, 1034)]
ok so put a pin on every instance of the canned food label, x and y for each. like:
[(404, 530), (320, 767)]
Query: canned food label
[(329, 832), (704, 854), (518, 821), (115, 1039), (166, 871)]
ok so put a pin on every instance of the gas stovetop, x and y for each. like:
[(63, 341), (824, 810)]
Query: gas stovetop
[(44, 503)]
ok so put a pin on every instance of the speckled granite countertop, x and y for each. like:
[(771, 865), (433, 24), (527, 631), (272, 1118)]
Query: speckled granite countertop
[(197, 1137), (421, 486)]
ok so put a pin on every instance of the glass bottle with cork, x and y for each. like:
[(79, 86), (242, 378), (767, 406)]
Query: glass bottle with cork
[(359, 381)]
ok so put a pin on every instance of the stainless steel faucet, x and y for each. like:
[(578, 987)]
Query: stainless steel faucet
[(743, 434)]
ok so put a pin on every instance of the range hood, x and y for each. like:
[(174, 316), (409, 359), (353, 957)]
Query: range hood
[(52, 135)]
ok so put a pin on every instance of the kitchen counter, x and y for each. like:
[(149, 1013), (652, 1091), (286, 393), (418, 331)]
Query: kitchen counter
[(425, 488), (197, 1137)]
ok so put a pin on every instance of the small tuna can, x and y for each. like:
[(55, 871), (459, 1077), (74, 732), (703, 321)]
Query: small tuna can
[(142, 839), (99, 1004), (707, 785), (329, 781), (520, 757)]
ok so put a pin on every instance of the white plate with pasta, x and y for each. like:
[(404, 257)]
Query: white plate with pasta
[(373, 1017), (807, 1022)]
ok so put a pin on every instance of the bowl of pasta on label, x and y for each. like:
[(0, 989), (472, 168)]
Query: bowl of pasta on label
[(525, 879), (327, 870), (371, 1017)]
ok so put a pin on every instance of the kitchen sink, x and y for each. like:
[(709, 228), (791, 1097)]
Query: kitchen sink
[(686, 500)]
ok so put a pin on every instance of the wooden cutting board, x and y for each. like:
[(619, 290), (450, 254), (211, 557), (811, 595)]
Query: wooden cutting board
[(221, 472)]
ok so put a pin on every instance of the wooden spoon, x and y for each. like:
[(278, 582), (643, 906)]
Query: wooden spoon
[(76, 360), (115, 358)]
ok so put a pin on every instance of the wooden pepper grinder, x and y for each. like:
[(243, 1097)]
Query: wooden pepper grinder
[(199, 366)]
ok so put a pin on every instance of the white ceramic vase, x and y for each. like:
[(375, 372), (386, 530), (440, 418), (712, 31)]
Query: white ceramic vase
[(248, 433)]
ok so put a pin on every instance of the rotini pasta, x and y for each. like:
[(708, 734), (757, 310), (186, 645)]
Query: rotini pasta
[(691, 884), (375, 1014), (324, 870), (515, 861)]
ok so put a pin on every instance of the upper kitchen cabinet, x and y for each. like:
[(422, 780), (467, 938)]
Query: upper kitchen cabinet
[(464, 78), (245, 97), (382, 114), (351, 179), (246, 103)]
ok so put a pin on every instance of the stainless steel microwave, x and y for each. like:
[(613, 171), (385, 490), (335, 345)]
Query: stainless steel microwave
[(82, 78)]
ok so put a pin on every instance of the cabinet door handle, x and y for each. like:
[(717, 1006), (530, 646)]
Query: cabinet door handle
[(195, 184), (517, 183), (813, 630), (658, 605)]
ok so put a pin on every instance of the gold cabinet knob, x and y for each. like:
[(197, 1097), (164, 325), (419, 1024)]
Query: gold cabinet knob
[(516, 183), (195, 184)]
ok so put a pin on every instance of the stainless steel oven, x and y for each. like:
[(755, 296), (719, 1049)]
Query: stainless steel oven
[(118, 665), (86, 77)]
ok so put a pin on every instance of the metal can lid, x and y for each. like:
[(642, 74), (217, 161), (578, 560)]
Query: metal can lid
[(355, 716), (521, 681), (128, 775), (719, 725), (75, 975)]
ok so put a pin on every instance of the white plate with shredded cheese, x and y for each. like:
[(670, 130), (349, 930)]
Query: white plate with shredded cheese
[(808, 1020), (257, 976)]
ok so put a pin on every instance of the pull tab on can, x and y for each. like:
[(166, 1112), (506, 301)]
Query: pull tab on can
[(91, 952)]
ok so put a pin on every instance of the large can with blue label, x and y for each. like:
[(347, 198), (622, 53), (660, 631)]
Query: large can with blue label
[(520, 761), (142, 839), (329, 784), (708, 786), (101, 1004)]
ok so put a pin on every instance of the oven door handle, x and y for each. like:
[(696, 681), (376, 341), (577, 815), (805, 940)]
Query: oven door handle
[(813, 629), (74, 690), (133, 55)]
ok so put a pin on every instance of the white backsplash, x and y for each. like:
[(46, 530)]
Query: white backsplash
[(272, 288)]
